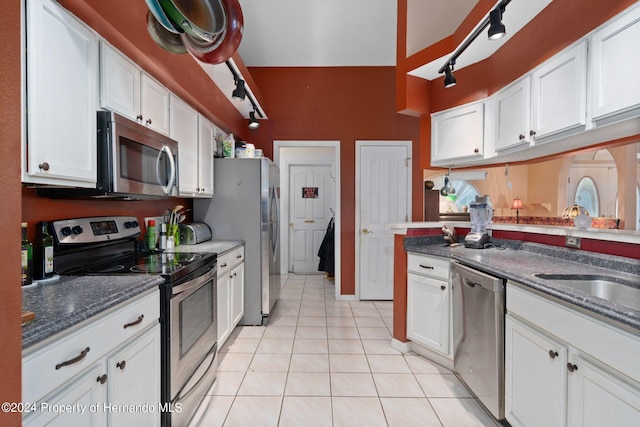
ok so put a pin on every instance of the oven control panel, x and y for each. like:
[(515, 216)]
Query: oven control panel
[(95, 229)]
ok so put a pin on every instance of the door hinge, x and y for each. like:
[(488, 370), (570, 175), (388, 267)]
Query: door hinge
[(407, 160)]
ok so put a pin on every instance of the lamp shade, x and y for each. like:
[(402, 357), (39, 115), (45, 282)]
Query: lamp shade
[(517, 203)]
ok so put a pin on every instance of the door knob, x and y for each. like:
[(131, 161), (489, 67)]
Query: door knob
[(366, 231)]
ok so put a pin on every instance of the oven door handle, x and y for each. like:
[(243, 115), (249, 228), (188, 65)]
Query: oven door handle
[(195, 283), (172, 175), (183, 394)]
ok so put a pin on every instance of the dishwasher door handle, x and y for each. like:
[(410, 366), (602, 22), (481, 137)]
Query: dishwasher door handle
[(469, 283)]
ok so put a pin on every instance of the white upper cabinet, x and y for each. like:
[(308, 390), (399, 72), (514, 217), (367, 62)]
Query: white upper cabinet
[(206, 137), (129, 91), (513, 115), (615, 66), (458, 134), (61, 98), (119, 83), (559, 93), (184, 129), (155, 105)]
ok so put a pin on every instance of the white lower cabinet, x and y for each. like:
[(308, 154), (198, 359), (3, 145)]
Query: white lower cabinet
[(133, 381), (536, 366), (564, 367), (429, 303), (230, 292), (105, 373)]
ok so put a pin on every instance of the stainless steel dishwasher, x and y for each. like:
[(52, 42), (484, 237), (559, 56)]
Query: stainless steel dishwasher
[(479, 353)]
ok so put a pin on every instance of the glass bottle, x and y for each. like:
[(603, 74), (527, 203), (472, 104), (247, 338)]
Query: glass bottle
[(27, 257), (151, 234), (43, 253)]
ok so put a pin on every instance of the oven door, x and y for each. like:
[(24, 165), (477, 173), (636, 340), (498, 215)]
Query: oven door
[(193, 327), (144, 161)]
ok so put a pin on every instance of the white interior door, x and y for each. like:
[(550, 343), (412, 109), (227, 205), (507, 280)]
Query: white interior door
[(310, 200), (384, 187)]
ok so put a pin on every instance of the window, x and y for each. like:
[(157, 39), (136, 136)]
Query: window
[(464, 195), (587, 196)]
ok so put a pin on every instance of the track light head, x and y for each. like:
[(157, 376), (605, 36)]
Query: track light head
[(253, 123), (496, 27), (239, 92), (449, 79)]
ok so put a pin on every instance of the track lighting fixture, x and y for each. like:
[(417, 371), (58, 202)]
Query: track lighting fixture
[(239, 92), (496, 28), (449, 79), (253, 123)]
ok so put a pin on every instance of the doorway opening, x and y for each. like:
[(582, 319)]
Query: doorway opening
[(309, 198)]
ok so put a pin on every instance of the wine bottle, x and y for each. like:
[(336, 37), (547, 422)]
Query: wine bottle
[(27, 257), (43, 253)]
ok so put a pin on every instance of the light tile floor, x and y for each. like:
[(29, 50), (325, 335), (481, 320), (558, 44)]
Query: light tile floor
[(322, 362)]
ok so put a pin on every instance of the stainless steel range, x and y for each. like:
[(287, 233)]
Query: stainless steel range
[(188, 316)]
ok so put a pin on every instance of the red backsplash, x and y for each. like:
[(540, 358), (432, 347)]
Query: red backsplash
[(35, 208)]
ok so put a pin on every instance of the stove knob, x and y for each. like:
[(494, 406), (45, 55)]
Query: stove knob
[(128, 224), (134, 224), (66, 231), (77, 229)]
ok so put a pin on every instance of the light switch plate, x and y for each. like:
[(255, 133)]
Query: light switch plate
[(573, 242)]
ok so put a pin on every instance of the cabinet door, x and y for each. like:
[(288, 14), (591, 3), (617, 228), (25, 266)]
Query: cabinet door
[(598, 397), (237, 294), (224, 315), (62, 98), (134, 379), (155, 105), (513, 115), (457, 133), (119, 83), (206, 137), (535, 377), (86, 394), (428, 312), (615, 65), (559, 96), (184, 129)]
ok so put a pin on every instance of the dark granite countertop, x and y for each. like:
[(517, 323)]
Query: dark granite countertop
[(213, 246), (519, 261), (59, 305)]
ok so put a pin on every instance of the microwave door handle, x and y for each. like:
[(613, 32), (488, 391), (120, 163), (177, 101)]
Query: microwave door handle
[(172, 175)]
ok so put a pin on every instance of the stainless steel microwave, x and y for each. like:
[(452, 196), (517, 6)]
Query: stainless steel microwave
[(134, 162)]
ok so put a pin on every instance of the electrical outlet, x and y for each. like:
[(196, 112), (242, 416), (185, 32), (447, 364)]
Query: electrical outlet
[(572, 242)]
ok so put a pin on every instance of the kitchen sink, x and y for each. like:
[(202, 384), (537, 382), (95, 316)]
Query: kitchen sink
[(605, 287)]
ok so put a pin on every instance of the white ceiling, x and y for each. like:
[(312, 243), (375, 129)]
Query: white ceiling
[(316, 33)]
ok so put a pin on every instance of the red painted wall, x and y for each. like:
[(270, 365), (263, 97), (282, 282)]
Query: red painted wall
[(339, 103), (10, 113)]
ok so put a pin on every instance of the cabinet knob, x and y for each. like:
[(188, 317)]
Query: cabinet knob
[(44, 166), (139, 117), (443, 287), (521, 137), (571, 367), (553, 354), (148, 121), (102, 379), (476, 150), (122, 364), (532, 132)]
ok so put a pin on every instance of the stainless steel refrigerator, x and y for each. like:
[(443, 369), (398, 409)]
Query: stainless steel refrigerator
[(245, 206)]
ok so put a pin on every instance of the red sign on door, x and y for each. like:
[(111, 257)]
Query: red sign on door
[(309, 192)]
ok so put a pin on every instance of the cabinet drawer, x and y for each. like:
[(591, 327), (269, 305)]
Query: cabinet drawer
[(428, 266), (230, 259), (613, 346), (39, 373)]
